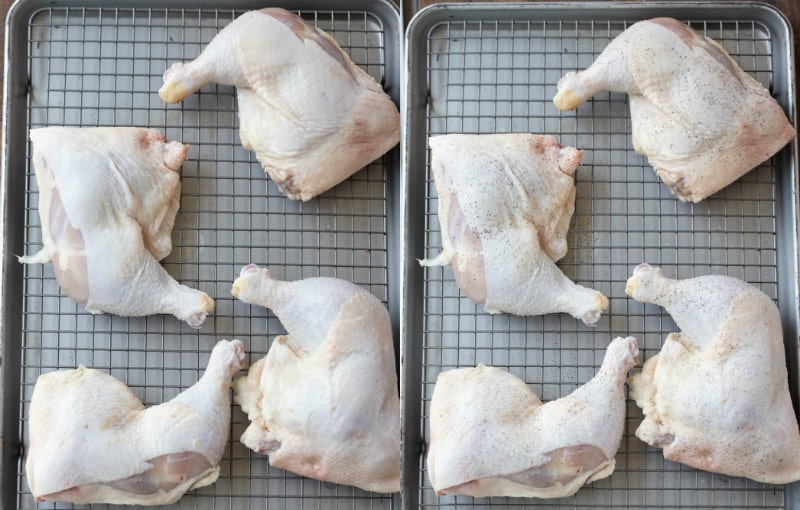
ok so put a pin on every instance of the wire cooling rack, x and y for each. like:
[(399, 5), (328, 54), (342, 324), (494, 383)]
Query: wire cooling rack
[(488, 70), (102, 66)]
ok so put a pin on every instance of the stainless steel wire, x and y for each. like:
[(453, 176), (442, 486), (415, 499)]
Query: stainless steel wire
[(102, 67), (488, 74)]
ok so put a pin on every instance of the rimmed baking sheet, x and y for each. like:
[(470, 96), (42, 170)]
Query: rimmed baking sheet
[(492, 68), (99, 63)]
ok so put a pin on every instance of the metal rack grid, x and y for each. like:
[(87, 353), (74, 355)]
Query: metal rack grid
[(492, 75), (102, 66)]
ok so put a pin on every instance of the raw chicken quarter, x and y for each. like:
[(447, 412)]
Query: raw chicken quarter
[(490, 435), (311, 115), (698, 117), (717, 396), (504, 204), (92, 441), (107, 204), (324, 401)]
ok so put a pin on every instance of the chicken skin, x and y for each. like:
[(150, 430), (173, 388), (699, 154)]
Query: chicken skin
[(490, 435), (504, 205), (698, 117), (107, 204), (311, 115), (324, 401), (92, 441), (717, 396)]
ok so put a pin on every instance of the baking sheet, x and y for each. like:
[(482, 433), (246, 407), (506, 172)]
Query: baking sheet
[(489, 68), (96, 63)]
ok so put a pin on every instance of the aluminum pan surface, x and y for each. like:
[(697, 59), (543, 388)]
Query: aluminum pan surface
[(100, 63), (493, 68)]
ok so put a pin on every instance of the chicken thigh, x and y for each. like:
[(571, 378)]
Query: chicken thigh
[(717, 396), (324, 401), (490, 435), (92, 441), (698, 117), (311, 115), (505, 202), (107, 203)]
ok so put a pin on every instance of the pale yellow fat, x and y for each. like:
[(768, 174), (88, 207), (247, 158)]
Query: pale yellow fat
[(567, 100), (173, 92), (238, 287)]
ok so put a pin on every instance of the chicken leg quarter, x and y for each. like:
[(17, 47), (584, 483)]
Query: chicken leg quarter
[(92, 441), (717, 396), (490, 435), (107, 203), (323, 403), (698, 117), (311, 115), (505, 204)]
